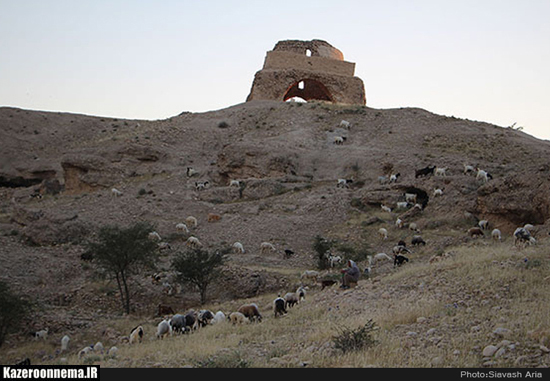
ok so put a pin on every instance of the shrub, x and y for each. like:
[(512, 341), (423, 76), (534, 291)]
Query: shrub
[(355, 339), (223, 124), (321, 245)]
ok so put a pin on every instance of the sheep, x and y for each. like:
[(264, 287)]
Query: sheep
[(42, 334), (112, 353), (310, 275), (250, 311), (136, 335), (191, 221), (345, 124), (383, 233), (237, 318), (213, 217), (475, 232), (164, 310), (235, 183), (393, 178), (529, 227), (181, 227), (177, 323), (201, 185), (301, 291), (266, 246), (334, 259), (385, 208), (402, 205), (413, 226), (424, 171), (339, 140), (410, 197), (399, 259), (238, 248), (522, 235), (483, 224), (383, 180), (190, 172), (343, 183), (65, 343), (193, 242), (164, 246), (279, 306), (98, 347), (219, 317), (438, 192), (380, 257), (440, 171), (291, 298), (115, 192), (399, 223), (191, 321), (483, 175), (205, 318), (327, 283), (164, 329), (496, 235), (399, 249), (154, 236), (84, 351), (417, 240), (468, 169)]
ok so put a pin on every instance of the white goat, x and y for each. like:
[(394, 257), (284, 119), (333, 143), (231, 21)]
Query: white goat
[(234, 183), (496, 235), (339, 140), (266, 246), (440, 171), (438, 192), (345, 124), (483, 175), (65, 343), (191, 221), (182, 227), (343, 183), (238, 248), (116, 192), (154, 236), (399, 223), (164, 329), (385, 208), (410, 197), (383, 233), (193, 242), (484, 224)]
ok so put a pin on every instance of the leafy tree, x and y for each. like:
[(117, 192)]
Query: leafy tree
[(13, 309), (122, 252), (198, 267), (321, 245)]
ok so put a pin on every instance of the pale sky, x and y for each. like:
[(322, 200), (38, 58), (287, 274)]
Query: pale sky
[(484, 60)]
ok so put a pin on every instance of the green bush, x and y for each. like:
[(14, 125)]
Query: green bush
[(355, 339)]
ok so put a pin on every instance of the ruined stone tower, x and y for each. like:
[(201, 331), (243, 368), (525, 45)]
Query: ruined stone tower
[(312, 70)]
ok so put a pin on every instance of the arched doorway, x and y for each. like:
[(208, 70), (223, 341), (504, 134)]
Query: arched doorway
[(308, 89)]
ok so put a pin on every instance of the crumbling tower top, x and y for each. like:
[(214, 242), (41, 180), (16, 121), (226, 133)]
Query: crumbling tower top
[(311, 70)]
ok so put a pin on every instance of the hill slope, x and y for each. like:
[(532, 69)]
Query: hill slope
[(285, 157)]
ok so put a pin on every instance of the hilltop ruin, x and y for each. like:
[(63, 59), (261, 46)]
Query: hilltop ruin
[(311, 70)]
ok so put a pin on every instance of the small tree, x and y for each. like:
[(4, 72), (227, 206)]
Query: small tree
[(122, 252), (321, 245), (12, 310), (198, 267)]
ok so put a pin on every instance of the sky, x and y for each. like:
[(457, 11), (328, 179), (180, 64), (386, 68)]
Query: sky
[(483, 60)]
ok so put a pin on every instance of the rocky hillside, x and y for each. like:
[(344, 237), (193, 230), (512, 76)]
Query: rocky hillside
[(57, 171)]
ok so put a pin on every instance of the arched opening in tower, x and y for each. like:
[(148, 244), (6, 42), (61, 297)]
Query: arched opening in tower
[(308, 89)]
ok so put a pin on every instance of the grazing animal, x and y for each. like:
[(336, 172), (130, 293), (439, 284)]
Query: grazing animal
[(417, 240), (393, 178), (496, 235), (385, 208), (440, 171), (42, 334), (399, 223), (65, 343), (345, 124), (115, 192), (235, 183), (327, 283), (201, 185), (177, 323), (399, 259), (413, 227), (399, 249), (381, 257), (191, 221), (469, 169), (279, 306), (522, 235), (424, 171), (410, 197), (238, 248), (475, 232), (154, 236), (483, 175), (212, 217), (181, 227), (250, 311), (98, 347), (237, 318), (288, 253), (266, 247), (136, 335), (191, 321), (383, 233), (310, 275), (291, 299), (84, 351), (205, 318), (344, 183), (190, 172), (193, 242), (483, 224), (219, 317), (438, 192), (339, 140), (334, 259)]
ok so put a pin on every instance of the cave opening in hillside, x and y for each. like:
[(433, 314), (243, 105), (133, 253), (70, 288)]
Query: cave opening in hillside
[(308, 89)]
